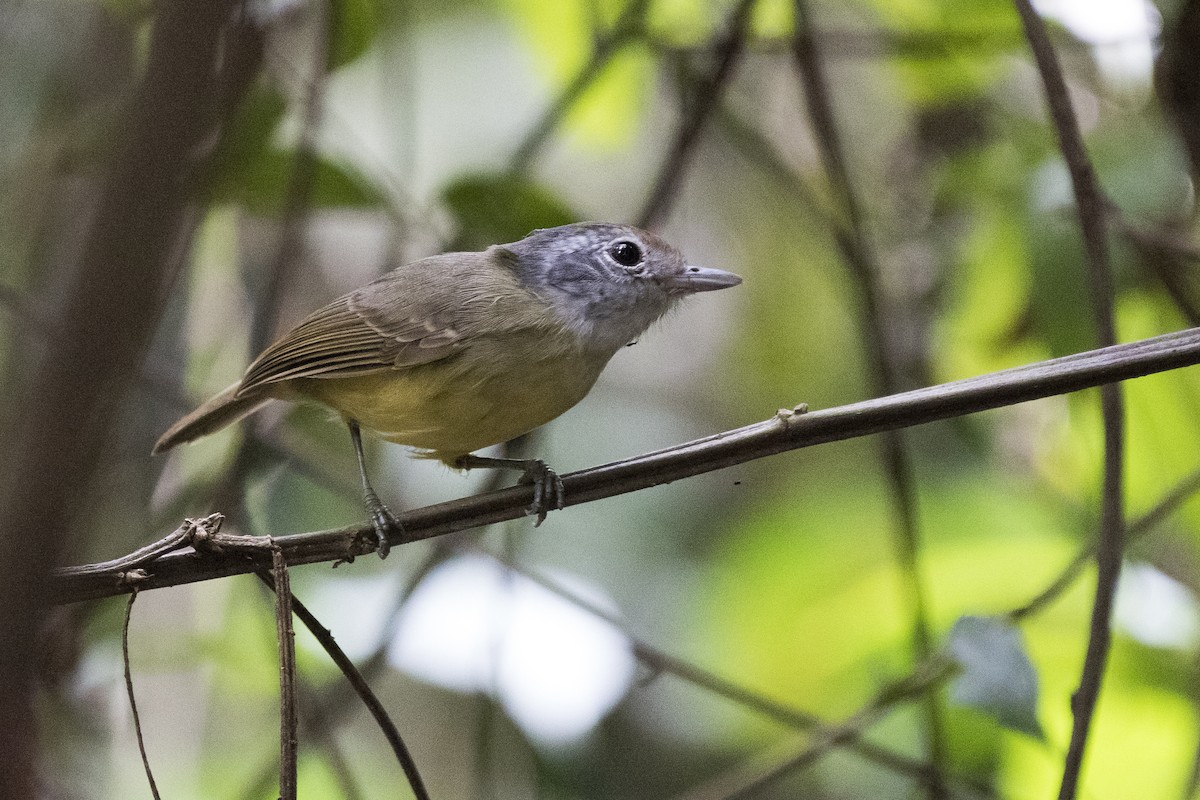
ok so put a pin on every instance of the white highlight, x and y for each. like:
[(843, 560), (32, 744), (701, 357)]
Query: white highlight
[(1156, 610), (472, 626), (1121, 33)]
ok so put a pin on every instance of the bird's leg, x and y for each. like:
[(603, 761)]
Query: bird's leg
[(547, 486), (381, 519)]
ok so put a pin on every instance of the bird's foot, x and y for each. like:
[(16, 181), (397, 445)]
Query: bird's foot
[(384, 523), (548, 493), (547, 489)]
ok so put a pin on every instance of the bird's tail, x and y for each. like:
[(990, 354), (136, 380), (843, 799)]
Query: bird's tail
[(224, 409)]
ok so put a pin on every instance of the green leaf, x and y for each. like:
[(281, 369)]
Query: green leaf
[(254, 173), (262, 186), (501, 208), (354, 25), (997, 676), (249, 134)]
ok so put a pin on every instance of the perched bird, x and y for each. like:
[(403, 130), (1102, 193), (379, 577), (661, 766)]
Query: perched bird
[(460, 351)]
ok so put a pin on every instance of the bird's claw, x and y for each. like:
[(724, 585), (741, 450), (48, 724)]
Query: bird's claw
[(548, 490), (383, 522)]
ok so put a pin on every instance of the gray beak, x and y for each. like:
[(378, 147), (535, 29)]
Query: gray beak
[(700, 279)]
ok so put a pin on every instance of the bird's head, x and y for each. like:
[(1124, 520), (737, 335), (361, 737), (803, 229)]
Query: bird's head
[(609, 282)]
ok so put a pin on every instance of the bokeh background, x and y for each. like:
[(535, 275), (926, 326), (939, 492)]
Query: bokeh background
[(418, 127)]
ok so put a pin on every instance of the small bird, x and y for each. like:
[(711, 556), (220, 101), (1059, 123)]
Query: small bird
[(460, 351)]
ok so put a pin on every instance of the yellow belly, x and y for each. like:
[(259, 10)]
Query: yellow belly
[(483, 396)]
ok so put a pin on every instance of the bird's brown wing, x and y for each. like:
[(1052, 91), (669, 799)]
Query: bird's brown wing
[(400, 320)]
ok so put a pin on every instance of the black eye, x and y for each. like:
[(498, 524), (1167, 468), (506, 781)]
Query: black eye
[(627, 254)]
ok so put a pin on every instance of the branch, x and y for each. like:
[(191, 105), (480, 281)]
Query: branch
[(863, 264), (67, 406), (781, 433), (352, 674), (1093, 219), (289, 725), (749, 780), (661, 662), (727, 50), (133, 710), (1175, 498)]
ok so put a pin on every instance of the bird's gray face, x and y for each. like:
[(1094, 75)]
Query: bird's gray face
[(609, 282)]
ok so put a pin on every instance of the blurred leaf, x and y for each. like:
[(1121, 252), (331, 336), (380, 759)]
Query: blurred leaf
[(772, 18), (262, 186), (998, 677), (251, 172), (683, 23), (607, 113), (249, 133), (562, 36), (355, 26), (949, 49), (557, 33), (501, 208)]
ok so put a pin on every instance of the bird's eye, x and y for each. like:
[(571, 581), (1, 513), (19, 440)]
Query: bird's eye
[(625, 253)]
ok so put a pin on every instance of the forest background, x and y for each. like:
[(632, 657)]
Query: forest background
[(902, 615)]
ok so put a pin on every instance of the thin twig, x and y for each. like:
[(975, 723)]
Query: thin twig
[(361, 688), (860, 258), (1182, 491), (726, 52), (181, 537), (781, 433), (251, 550), (661, 662), (1093, 218), (288, 716), (1166, 254), (137, 720), (324, 709), (746, 780)]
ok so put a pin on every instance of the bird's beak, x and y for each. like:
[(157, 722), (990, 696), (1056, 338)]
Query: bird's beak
[(700, 279)]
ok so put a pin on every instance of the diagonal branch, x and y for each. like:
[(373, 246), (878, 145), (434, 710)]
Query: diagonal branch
[(1185, 490), (781, 433), (351, 672)]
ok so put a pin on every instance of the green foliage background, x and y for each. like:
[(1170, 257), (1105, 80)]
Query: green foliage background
[(781, 575)]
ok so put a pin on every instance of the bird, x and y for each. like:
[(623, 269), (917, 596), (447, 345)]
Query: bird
[(460, 351)]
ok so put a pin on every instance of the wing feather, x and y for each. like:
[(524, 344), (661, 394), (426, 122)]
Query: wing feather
[(356, 334), (423, 312)]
